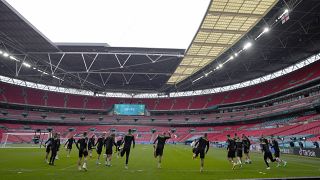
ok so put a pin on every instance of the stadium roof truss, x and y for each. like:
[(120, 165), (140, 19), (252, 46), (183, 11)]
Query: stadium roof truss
[(224, 24), (262, 79)]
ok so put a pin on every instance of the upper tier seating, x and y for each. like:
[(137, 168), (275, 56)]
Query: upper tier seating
[(22, 95)]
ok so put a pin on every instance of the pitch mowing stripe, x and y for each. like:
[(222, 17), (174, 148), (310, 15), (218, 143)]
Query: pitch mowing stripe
[(315, 177)]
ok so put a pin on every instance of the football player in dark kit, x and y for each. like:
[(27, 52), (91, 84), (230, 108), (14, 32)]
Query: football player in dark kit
[(119, 143), (99, 146), (239, 147), (266, 151), (54, 148), (59, 144), (161, 141), (231, 148), (127, 141), (109, 142), (69, 144), (47, 144), (82, 145), (91, 145), (246, 148), (275, 146), (202, 148)]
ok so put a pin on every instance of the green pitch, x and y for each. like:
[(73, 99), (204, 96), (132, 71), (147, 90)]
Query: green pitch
[(28, 163)]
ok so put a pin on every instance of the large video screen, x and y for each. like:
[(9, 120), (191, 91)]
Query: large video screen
[(129, 109)]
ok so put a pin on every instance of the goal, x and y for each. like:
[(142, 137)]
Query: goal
[(23, 139)]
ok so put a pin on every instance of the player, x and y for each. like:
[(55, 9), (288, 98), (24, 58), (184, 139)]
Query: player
[(231, 148), (48, 146), (119, 143), (193, 146), (91, 145), (275, 146), (59, 144), (82, 145), (158, 149), (246, 148), (69, 144), (127, 141), (239, 147), (109, 143), (266, 151), (99, 146), (202, 148), (54, 148)]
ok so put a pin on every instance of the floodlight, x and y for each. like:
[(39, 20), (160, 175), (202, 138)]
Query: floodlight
[(5, 54), (247, 45), (13, 58), (26, 64)]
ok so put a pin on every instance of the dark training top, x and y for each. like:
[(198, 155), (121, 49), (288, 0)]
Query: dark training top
[(202, 144), (161, 141), (264, 145), (119, 142), (70, 141), (91, 142), (231, 145), (49, 142), (109, 142), (275, 145), (55, 143), (100, 142), (83, 143), (239, 144), (246, 143), (128, 139)]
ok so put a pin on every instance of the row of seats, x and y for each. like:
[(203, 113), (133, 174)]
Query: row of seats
[(12, 114), (15, 94), (311, 126)]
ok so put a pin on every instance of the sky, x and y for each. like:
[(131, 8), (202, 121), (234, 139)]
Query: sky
[(120, 23)]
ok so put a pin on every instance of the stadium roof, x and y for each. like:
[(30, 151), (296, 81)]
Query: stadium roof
[(99, 67), (223, 25)]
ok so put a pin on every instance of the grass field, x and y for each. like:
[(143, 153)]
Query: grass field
[(28, 163)]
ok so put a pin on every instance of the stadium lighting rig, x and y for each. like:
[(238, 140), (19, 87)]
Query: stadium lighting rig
[(25, 64), (245, 47)]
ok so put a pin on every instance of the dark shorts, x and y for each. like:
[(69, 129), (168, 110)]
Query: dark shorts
[(90, 147), (231, 154), (159, 151), (109, 151), (277, 154), (201, 152), (83, 153), (69, 147), (48, 149), (246, 150), (99, 150), (125, 151), (194, 150), (239, 153)]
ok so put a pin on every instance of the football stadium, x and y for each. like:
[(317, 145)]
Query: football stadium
[(159, 89)]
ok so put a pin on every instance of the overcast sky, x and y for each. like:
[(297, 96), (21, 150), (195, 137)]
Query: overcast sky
[(120, 23)]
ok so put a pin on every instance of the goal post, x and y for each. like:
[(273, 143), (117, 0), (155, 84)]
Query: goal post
[(23, 139)]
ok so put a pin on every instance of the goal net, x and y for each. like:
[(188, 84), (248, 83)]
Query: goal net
[(23, 139)]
